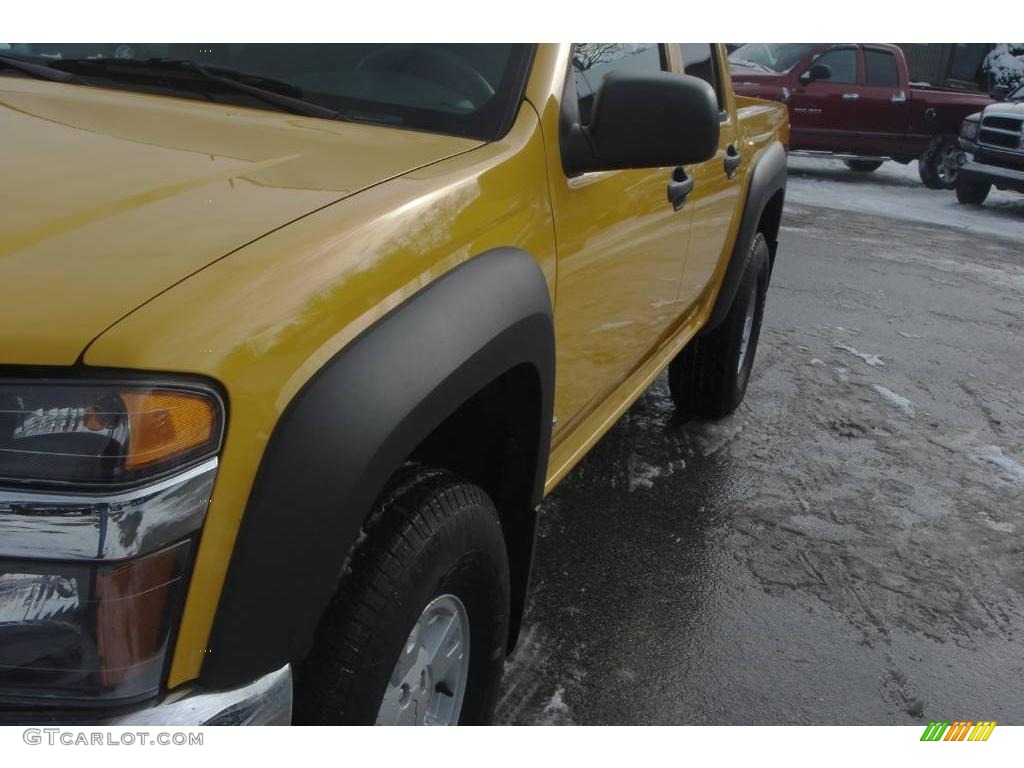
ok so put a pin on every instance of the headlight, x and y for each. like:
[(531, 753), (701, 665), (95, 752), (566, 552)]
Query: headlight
[(103, 489), (101, 434), (969, 129)]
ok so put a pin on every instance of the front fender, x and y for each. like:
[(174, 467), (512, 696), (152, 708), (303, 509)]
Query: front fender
[(350, 428)]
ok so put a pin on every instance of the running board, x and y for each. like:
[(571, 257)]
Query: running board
[(837, 155)]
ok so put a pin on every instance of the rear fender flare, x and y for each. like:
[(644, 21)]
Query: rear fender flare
[(767, 178)]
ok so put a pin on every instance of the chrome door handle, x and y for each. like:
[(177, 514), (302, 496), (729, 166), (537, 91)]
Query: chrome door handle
[(851, 96), (898, 98)]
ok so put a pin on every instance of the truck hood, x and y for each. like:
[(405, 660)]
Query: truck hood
[(111, 197), (1007, 108)]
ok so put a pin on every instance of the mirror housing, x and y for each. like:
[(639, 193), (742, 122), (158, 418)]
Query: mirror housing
[(817, 72), (644, 120)]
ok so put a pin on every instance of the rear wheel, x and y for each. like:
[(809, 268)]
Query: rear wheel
[(863, 166), (939, 164), (417, 632), (972, 192), (709, 377)]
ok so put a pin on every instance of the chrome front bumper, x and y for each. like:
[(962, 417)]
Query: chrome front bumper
[(266, 701)]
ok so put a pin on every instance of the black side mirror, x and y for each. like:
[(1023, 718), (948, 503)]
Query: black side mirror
[(999, 92), (817, 72), (645, 120)]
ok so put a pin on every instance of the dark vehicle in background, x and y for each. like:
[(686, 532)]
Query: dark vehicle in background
[(854, 101), (993, 150)]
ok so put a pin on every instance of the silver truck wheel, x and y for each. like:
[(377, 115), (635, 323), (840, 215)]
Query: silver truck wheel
[(429, 680), (417, 632)]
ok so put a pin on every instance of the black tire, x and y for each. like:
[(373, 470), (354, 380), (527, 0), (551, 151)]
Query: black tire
[(863, 166), (937, 166), (431, 534), (708, 378), (972, 192)]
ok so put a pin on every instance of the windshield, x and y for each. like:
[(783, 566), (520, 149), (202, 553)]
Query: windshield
[(1016, 95), (771, 57), (470, 90)]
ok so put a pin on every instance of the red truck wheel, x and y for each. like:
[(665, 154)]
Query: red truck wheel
[(938, 166), (863, 166)]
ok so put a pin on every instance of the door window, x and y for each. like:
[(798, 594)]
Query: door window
[(699, 61), (880, 68), (591, 63), (842, 62)]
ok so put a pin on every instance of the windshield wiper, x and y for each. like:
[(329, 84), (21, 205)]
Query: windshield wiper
[(232, 79), (40, 71)]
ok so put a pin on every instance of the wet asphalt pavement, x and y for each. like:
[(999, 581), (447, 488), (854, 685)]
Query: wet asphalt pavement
[(848, 548)]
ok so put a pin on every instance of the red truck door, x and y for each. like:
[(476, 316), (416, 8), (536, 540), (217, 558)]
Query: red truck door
[(882, 106), (823, 110)]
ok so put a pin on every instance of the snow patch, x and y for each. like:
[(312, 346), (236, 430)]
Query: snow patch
[(556, 711), (872, 360), (1005, 64), (993, 454), (895, 191), (643, 475), (895, 400), (556, 704)]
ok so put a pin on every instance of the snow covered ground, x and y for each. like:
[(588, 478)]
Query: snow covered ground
[(896, 191)]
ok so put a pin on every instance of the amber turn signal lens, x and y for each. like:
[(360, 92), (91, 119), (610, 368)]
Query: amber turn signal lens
[(165, 423), (132, 601)]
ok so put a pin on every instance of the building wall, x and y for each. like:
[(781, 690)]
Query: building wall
[(937, 63)]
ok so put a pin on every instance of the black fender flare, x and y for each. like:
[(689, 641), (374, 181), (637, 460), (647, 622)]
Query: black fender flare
[(767, 178), (350, 428)]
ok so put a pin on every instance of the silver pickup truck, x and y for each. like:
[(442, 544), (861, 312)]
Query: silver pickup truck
[(993, 150)]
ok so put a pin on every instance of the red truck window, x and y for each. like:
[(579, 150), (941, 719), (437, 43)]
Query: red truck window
[(842, 62), (880, 68)]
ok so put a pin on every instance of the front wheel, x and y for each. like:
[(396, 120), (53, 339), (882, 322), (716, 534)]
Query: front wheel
[(939, 164), (972, 192), (709, 377), (863, 166), (417, 632)]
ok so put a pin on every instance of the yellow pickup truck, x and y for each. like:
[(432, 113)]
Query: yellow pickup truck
[(295, 338)]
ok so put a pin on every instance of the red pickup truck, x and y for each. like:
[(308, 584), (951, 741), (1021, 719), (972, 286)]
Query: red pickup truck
[(854, 101)]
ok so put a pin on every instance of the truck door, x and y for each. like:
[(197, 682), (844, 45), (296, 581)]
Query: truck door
[(717, 182), (824, 109), (621, 248), (881, 117)]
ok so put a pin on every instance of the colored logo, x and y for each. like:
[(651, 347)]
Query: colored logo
[(959, 730)]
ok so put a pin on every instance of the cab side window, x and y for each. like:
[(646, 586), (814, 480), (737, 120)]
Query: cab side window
[(699, 61), (880, 68), (842, 62), (591, 62)]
